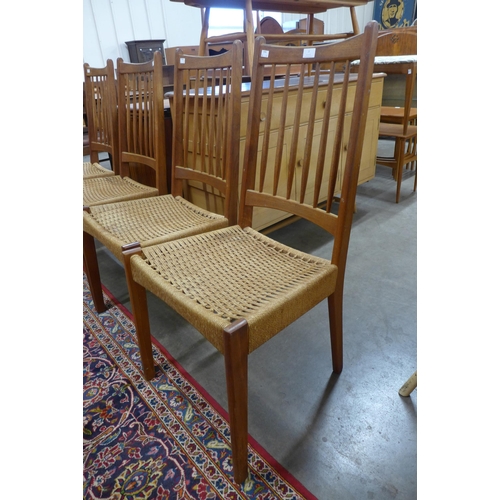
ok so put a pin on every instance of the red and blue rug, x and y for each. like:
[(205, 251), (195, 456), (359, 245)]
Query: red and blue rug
[(163, 439)]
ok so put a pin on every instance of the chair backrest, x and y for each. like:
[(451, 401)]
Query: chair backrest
[(206, 125), (295, 147), (397, 42), (269, 25), (193, 50), (141, 121), (101, 112)]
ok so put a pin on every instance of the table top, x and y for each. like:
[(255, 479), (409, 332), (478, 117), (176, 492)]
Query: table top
[(299, 6), (278, 84), (396, 59)]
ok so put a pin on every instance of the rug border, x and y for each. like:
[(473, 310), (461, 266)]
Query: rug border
[(288, 476)]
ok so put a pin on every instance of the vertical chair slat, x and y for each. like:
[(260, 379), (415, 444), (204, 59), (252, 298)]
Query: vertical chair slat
[(267, 128), (339, 133), (295, 131), (196, 127), (309, 137), (324, 135)]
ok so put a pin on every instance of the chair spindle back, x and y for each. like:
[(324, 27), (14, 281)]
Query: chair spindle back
[(141, 122), (102, 116), (297, 153), (206, 112)]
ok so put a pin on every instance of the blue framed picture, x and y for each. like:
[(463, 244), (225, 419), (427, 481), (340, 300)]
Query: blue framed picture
[(394, 13)]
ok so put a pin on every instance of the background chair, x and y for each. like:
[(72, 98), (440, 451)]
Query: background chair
[(397, 42), (397, 55), (141, 136), (238, 287), (206, 149), (100, 119)]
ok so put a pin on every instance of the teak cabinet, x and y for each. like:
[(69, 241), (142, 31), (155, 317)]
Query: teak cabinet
[(263, 218)]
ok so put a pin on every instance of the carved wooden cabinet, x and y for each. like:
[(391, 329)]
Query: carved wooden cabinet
[(141, 51)]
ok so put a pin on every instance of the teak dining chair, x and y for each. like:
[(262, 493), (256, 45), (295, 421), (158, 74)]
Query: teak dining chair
[(397, 42), (141, 136), (397, 55), (206, 138), (102, 118), (238, 287)]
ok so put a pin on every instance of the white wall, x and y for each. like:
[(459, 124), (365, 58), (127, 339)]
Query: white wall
[(108, 24)]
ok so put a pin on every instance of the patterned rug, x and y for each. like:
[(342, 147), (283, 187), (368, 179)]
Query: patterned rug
[(163, 439)]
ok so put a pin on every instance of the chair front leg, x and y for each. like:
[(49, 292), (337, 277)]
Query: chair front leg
[(335, 305), (92, 271), (139, 303), (236, 361)]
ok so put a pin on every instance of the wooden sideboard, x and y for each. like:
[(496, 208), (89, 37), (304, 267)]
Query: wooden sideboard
[(263, 218)]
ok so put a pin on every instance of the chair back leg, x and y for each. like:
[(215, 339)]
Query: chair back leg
[(236, 362)]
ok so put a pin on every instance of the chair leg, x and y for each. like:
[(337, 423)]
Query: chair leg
[(399, 166), (138, 300), (335, 306), (408, 387), (236, 361), (92, 270)]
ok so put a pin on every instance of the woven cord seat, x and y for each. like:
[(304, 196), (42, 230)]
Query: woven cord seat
[(101, 190), (148, 220), (93, 170), (215, 278)]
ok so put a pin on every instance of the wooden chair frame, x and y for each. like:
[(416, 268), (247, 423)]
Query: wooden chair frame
[(238, 255), (399, 124), (101, 111), (141, 124)]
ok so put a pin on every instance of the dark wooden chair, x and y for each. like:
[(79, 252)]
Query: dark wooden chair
[(141, 136), (206, 145), (238, 287), (101, 120)]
